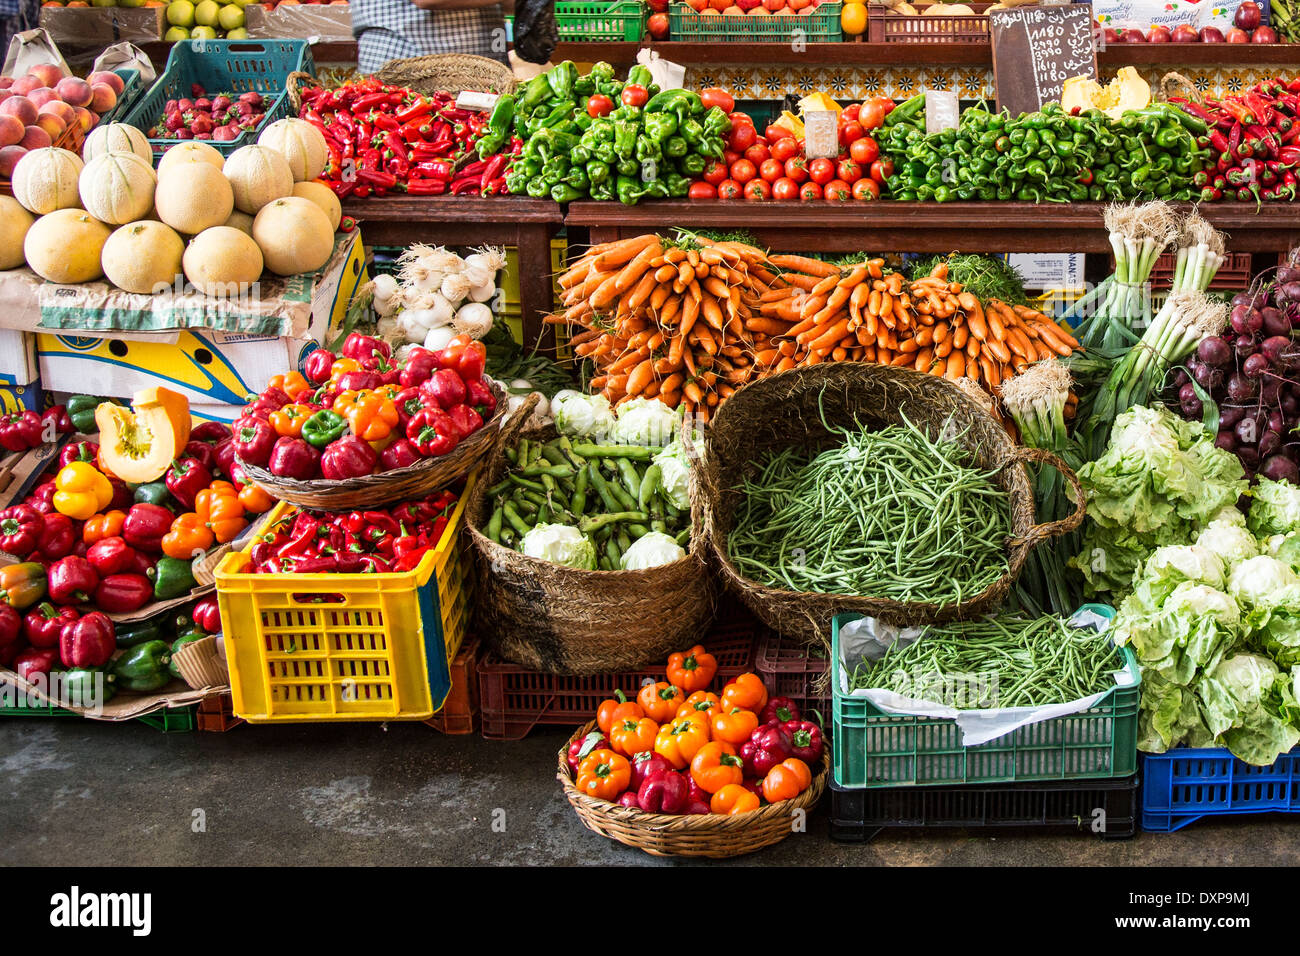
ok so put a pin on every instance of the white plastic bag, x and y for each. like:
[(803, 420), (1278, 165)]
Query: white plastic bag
[(127, 56), (32, 48)]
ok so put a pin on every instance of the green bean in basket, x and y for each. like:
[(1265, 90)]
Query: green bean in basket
[(1007, 661), (888, 513), (591, 506)]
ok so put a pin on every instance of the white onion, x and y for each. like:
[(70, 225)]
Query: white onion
[(385, 286), (481, 293), (455, 286), (438, 337), (478, 274), (473, 319)]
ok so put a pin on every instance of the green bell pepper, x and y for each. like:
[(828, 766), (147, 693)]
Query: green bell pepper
[(659, 127), (155, 493), (678, 186), (143, 668), (579, 156), (675, 147), (597, 172), (715, 122), (86, 686), (602, 191), (629, 190), (647, 149), (172, 577), (563, 192), (536, 188), (628, 167), (81, 409), (324, 427), (536, 91), (640, 75), (129, 635), (500, 123)]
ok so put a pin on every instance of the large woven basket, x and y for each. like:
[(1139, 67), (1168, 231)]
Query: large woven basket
[(785, 411), (712, 835), (425, 477), (448, 72), (568, 621)]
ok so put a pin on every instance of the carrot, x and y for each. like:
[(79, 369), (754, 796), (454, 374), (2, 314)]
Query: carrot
[(628, 360), (766, 325), (854, 277), (830, 336), (605, 294), (813, 267), (668, 315), (956, 366), (690, 312), (712, 314), (623, 251), (675, 255), (998, 349), (639, 377)]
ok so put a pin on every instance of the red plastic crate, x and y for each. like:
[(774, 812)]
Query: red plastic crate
[(216, 716), (791, 669), (460, 712), (1234, 275), (515, 699)]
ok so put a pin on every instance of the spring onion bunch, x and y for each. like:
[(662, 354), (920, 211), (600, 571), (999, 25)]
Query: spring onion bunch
[(1200, 255)]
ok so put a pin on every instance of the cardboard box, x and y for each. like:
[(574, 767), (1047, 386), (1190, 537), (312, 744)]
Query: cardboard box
[(215, 369), (17, 358), (321, 21), (1053, 270), (100, 26), (20, 398)]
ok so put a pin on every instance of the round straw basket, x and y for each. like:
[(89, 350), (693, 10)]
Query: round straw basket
[(713, 835), (768, 416), (448, 72)]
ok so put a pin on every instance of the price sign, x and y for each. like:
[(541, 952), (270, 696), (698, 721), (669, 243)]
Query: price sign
[(1036, 49)]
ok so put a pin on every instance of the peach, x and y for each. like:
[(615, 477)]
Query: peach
[(11, 131), (47, 73), (25, 84), (42, 95), (60, 109), (86, 118), (21, 107), (53, 125), (104, 99), (6, 82), (9, 156), (5, 94), (75, 92), (109, 77), (35, 138)]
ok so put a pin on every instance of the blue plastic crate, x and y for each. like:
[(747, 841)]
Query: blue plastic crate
[(1184, 785), (238, 66)]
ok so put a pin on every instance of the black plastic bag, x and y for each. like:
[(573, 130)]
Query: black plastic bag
[(535, 30)]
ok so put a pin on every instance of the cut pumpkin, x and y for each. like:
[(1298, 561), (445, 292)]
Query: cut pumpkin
[(138, 444), (1128, 91)]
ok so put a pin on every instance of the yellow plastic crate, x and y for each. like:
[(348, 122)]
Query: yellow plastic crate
[(323, 647)]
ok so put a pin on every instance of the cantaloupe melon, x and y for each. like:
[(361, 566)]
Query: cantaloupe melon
[(14, 223), (324, 197), (117, 188), (294, 236), (302, 144), (65, 246), (116, 138), (193, 197), (258, 175), (222, 261), (46, 179), (143, 257), (241, 221), (192, 151)]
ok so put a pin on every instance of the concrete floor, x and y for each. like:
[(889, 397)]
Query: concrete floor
[(359, 794)]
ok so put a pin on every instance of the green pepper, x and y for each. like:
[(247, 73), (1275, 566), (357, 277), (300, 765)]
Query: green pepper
[(603, 130), (579, 156), (500, 124), (81, 409), (85, 686), (554, 170), (943, 194), (561, 79), (692, 164), (647, 149), (143, 668), (597, 172), (629, 190), (678, 186), (1078, 192), (640, 75), (516, 182), (536, 91), (129, 635), (715, 122), (172, 577), (660, 126), (626, 133), (154, 493), (602, 191), (536, 188), (323, 427), (583, 121), (906, 111), (584, 86), (682, 102), (628, 167)]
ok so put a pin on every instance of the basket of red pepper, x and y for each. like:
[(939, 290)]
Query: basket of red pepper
[(681, 771), (355, 429)]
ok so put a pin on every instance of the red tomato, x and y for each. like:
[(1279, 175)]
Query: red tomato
[(866, 189), (882, 169), (850, 132), (864, 151), (707, 191), (821, 171), (742, 171), (713, 96), (634, 94), (599, 105), (872, 114), (783, 149), (758, 190), (774, 133), (758, 154), (810, 192), (730, 156), (715, 173), (771, 169), (785, 189), (658, 25), (738, 118), (886, 104), (850, 113), (730, 189), (742, 137), (837, 190), (848, 170), (796, 167)]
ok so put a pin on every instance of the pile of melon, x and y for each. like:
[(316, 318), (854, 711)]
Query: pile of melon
[(218, 221)]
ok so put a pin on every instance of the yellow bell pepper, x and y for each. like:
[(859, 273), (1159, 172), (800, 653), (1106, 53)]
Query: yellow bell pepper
[(81, 491)]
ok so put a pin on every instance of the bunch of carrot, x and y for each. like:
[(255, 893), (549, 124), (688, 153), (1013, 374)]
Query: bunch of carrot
[(690, 321)]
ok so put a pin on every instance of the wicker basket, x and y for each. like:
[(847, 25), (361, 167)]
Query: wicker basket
[(448, 72), (401, 484), (711, 835), (781, 411), (562, 620)]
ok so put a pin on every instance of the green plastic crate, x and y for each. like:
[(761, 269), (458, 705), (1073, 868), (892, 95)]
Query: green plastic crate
[(876, 749), (170, 720), (822, 25), (578, 21)]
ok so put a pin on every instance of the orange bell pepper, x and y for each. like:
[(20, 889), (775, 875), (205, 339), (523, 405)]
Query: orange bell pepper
[(341, 367), (389, 392), (604, 774), (616, 708), (254, 499), (99, 527), (734, 798), (679, 741), (786, 780), (746, 692), (292, 384), (188, 538), (716, 765), (287, 420), (630, 736), (660, 701), (692, 670), (220, 510), (700, 702), (732, 724), (371, 415)]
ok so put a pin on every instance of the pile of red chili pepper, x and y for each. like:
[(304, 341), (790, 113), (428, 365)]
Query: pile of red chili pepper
[(1255, 141), (353, 542), (388, 139)]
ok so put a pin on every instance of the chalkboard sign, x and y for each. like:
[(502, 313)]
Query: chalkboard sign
[(1036, 49)]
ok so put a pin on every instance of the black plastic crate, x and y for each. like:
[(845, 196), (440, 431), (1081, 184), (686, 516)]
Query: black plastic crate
[(1066, 806)]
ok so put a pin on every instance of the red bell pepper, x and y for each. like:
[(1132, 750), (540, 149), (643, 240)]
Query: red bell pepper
[(294, 458), (480, 398), (445, 388), (20, 431), (110, 556), (466, 419), (42, 497), (433, 432), (580, 748), (11, 632), (778, 710), (408, 402), (33, 662), (145, 526), (663, 792), (766, 747), (347, 457), (123, 593), (400, 454), (359, 381), (72, 580), (421, 363), (43, 624), (361, 347), (253, 442), (225, 456), (20, 530), (123, 495), (185, 479), (88, 642), (643, 765), (207, 615), (56, 421), (318, 365), (202, 452), (210, 433), (58, 537), (806, 741)]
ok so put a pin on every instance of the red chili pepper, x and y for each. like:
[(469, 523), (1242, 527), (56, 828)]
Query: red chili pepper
[(418, 108), (492, 171), (1237, 110), (376, 178), (386, 122), (370, 101)]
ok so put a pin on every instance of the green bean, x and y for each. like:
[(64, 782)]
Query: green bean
[(588, 525), (516, 522), (522, 450), (546, 471), (602, 488), (494, 524), (639, 452), (615, 556), (525, 483), (501, 487)]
